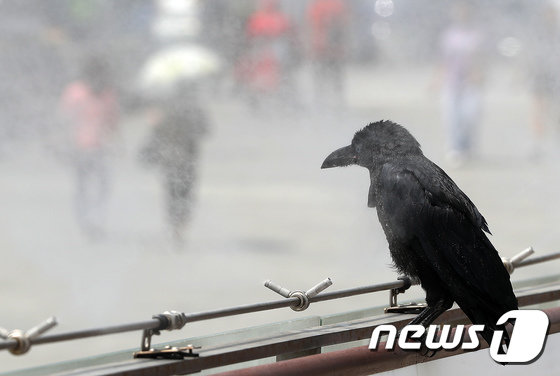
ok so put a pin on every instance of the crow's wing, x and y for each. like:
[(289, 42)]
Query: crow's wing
[(444, 191), (421, 206)]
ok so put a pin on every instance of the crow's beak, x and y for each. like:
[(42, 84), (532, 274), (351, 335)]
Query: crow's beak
[(342, 157)]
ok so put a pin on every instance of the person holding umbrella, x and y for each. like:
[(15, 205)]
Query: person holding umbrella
[(173, 147), (170, 81)]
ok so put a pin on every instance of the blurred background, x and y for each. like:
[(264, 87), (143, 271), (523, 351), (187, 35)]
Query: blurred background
[(165, 154)]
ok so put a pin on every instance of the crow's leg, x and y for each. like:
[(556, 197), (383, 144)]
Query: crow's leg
[(432, 312), (428, 311), (437, 296), (426, 317)]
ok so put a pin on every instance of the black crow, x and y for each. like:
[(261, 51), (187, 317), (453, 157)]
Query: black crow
[(435, 233)]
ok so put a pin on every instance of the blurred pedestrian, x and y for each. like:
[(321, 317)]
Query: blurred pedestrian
[(462, 80), (90, 109), (544, 66), (173, 147), (267, 68), (328, 27)]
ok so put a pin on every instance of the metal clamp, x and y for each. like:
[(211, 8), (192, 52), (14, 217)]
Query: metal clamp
[(169, 320), (303, 296), (23, 339), (168, 352), (395, 307), (146, 343), (513, 262)]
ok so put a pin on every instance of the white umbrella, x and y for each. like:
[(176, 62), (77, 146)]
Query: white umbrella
[(169, 67)]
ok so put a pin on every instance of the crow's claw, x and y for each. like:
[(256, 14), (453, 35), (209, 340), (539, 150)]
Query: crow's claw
[(425, 351)]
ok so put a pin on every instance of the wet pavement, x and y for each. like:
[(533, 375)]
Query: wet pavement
[(264, 210)]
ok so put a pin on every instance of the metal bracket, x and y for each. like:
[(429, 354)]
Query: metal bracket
[(395, 307), (410, 308), (303, 296), (23, 339), (169, 320), (147, 339), (513, 262), (168, 352)]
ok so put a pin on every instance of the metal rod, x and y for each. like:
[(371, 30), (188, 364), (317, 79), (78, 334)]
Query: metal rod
[(539, 259), (518, 258), (277, 289), (41, 328), (153, 324), (8, 344), (249, 308), (149, 324), (357, 291), (200, 316), (315, 290)]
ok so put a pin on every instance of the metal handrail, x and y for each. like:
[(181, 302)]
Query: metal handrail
[(290, 343), (200, 316), (157, 324)]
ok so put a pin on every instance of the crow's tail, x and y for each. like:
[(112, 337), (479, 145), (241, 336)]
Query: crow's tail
[(489, 332), (490, 328)]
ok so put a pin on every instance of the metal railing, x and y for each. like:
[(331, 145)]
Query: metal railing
[(19, 342), (298, 343)]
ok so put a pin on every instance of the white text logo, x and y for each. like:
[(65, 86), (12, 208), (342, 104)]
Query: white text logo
[(526, 342)]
